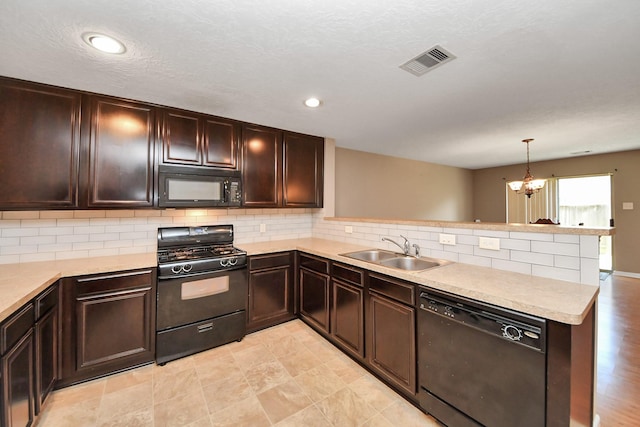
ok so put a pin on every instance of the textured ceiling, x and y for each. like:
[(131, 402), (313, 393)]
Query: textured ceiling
[(566, 73)]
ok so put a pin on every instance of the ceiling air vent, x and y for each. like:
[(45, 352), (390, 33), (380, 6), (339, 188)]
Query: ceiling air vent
[(427, 61)]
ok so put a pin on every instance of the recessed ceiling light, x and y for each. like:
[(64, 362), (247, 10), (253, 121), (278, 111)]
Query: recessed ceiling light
[(103, 43), (312, 102)]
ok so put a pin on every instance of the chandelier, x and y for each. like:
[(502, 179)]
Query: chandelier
[(528, 185)]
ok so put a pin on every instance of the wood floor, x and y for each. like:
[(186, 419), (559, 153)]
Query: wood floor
[(618, 387)]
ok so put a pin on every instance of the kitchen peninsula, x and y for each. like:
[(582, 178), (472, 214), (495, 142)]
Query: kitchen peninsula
[(568, 306)]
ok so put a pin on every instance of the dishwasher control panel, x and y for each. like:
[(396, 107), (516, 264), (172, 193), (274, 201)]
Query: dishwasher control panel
[(506, 324)]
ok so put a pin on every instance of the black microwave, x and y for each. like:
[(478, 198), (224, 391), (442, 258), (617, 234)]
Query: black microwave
[(198, 188)]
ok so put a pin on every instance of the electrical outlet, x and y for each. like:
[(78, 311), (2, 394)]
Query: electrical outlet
[(447, 239), (627, 206), (263, 228), (348, 229), (489, 243)]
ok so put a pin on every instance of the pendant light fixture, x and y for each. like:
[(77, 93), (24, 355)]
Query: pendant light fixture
[(528, 185)]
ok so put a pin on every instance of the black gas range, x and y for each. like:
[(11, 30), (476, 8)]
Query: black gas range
[(195, 250), (202, 290)]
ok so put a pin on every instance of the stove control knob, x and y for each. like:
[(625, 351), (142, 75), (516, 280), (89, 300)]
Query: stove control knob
[(233, 261), (187, 268), (176, 269)]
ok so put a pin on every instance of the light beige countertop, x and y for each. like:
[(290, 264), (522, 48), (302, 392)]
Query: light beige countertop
[(20, 283), (494, 226), (565, 302), (558, 300)]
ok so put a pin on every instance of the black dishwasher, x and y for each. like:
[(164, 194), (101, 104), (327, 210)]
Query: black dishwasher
[(479, 365)]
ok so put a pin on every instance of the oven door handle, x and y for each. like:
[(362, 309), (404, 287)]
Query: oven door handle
[(205, 327)]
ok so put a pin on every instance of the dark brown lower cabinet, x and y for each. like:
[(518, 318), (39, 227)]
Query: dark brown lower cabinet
[(271, 299), (347, 317), (108, 324), (46, 342), (18, 378), (347, 308), (314, 298), (391, 341)]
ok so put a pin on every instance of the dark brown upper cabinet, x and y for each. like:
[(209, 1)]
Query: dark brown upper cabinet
[(198, 140), (39, 146), (119, 148), (262, 167), (281, 169), (303, 173)]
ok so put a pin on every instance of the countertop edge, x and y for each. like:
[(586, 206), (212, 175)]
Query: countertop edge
[(493, 226)]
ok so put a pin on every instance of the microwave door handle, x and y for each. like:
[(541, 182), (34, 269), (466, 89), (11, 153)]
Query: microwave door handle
[(226, 191)]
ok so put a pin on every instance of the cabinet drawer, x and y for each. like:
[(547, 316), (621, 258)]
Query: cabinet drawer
[(46, 301), (400, 291), (347, 274), (88, 285), (195, 337), (259, 262), (313, 263), (16, 326)]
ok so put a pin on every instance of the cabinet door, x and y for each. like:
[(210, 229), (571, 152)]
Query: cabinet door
[(391, 349), (303, 171), (121, 153), (262, 168), (46, 341), (347, 317), (18, 398), (314, 298), (39, 146), (181, 136), (270, 297), (109, 324), (220, 145)]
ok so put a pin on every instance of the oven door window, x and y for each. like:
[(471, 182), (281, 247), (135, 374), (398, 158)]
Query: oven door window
[(204, 288)]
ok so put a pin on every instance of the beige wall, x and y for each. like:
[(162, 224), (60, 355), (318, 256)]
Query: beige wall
[(490, 201), (376, 186)]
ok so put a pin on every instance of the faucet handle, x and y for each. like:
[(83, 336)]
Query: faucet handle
[(417, 248)]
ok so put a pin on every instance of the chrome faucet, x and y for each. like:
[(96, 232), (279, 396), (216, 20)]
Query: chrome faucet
[(405, 246)]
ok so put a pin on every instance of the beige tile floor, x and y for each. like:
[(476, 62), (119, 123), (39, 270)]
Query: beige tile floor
[(286, 375)]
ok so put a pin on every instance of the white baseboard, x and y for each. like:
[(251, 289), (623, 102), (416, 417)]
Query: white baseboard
[(596, 421), (626, 274)]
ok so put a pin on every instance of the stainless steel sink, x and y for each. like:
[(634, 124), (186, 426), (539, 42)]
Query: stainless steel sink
[(396, 260), (409, 263), (372, 255)]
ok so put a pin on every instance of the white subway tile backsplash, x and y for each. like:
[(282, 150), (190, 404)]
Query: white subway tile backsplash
[(556, 273), (73, 238), (589, 246), (516, 244), (475, 260), (556, 248), (563, 261), (513, 266), (21, 215), (531, 236), (532, 258), (566, 238), (19, 232), (491, 233), (56, 214), (590, 271), (33, 235), (17, 250), (37, 240), (501, 254)]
